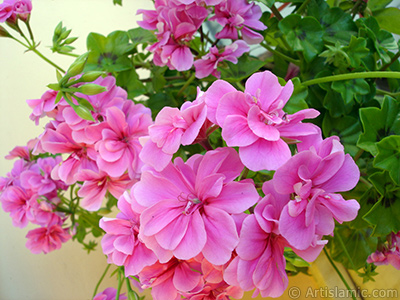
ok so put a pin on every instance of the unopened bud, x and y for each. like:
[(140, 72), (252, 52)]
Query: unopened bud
[(83, 112), (78, 65), (65, 34), (4, 32), (54, 86), (58, 29), (91, 89), (91, 76)]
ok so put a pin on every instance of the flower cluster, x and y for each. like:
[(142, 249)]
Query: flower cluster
[(389, 253), (177, 22), (11, 10), (194, 229)]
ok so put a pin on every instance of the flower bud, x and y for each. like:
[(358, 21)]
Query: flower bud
[(78, 65), (91, 76), (91, 89), (83, 112), (58, 30), (4, 32)]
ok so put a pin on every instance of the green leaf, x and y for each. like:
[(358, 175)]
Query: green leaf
[(337, 56), (374, 5), (158, 79), (109, 53), (350, 88), (356, 50), (141, 36), (297, 100), (358, 244), (303, 34), (245, 67), (385, 216), (119, 2), (268, 3), (378, 123), (388, 157), (129, 80), (389, 19)]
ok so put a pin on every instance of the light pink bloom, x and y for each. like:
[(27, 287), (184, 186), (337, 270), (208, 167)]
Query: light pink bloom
[(168, 280), (96, 184), (109, 294), (236, 15), (389, 254), (254, 120), (45, 106), (11, 9), (121, 243), (208, 63), (314, 176), (172, 128), (119, 148), (216, 291), (189, 206), (47, 239), (13, 177), (19, 203)]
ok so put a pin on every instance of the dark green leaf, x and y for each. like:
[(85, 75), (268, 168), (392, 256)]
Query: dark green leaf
[(268, 3), (141, 36), (129, 80), (388, 157), (119, 2), (378, 123), (356, 50), (350, 88), (303, 34), (389, 19), (377, 4), (245, 67)]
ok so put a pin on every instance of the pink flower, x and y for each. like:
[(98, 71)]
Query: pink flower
[(389, 254), (216, 291), (189, 206), (47, 239), (168, 280), (236, 15), (119, 148), (172, 128), (11, 9), (255, 121), (121, 243), (109, 294), (208, 63), (19, 203), (314, 176), (45, 106)]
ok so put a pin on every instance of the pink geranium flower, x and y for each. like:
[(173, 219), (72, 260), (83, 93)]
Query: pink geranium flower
[(172, 128), (208, 63), (236, 15), (109, 294), (254, 120), (313, 176), (121, 243), (47, 239), (189, 206), (389, 253), (11, 9)]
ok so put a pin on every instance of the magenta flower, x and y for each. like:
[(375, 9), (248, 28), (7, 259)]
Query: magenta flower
[(208, 63), (255, 121), (11, 9), (172, 128), (216, 291), (47, 239), (109, 294), (236, 15), (314, 176), (189, 206), (389, 254), (121, 243), (119, 148)]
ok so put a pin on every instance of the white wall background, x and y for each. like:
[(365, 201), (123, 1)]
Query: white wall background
[(69, 273)]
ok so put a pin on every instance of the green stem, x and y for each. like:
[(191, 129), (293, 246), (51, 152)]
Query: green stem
[(188, 82), (285, 57), (356, 75), (366, 182), (276, 12), (340, 274), (383, 92), (30, 32), (240, 86), (130, 290), (358, 154), (303, 7), (69, 54), (100, 280), (120, 282), (394, 58), (47, 60)]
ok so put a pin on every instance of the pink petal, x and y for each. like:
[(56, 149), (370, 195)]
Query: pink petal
[(236, 131), (259, 128), (213, 95), (233, 103), (182, 58)]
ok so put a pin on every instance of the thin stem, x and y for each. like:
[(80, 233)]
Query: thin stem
[(30, 32), (188, 82), (17, 40), (47, 60), (130, 290), (285, 57), (358, 154), (383, 92), (120, 283), (356, 75), (100, 280), (394, 58), (276, 12), (240, 86), (69, 54), (340, 274), (366, 182), (303, 6)]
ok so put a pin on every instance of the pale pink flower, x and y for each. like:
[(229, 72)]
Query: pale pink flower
[(121, 243), (389, 253), (11, 9), (216, 291), (13, 177), (45, 106), (119, 148), (189, 206), (236, 15), (208, 63), (172, 128), (109, 294), (168, 280), (47, 239), (313, 176), (255, 122)]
